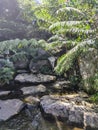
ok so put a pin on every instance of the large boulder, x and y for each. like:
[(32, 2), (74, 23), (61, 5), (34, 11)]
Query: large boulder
[(61, 107), (89, 69), (55, 108), (70, 107), (91, 119), (42, 66), (76, 114), (34, 79), (9, 108), (40, 62)]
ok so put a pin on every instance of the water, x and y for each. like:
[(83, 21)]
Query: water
[(24, 122)]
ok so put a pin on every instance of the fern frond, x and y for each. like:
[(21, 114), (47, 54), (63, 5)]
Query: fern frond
[(42, 43), (54, 38), (56, 45), (69, 9), (77, 31), (64, 24), (17, 44), (66, 61)]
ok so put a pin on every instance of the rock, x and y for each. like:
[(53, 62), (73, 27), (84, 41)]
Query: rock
[(31, 110), (61, 85), (91, 119), (56, 86), (21, 71), (37, 121), (40, 62), (42, 54), (32, 100), (37, 66), (63, 107), (33, 90), (83, 94), (52, 61), (4, 93), (88, 65), (9, 108), (55, 107), (71, 96), (31, 78), (20, 60), (76, 114)]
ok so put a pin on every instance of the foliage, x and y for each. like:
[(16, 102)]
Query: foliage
[(19, 45), (68, 21), (74, 27), (21, 50), (73, 24), (66, 61), (17, 50), (94, 98), (6, 72), (91, 84), (22, 56)]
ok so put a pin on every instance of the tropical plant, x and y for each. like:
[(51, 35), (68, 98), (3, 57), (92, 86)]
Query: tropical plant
[(73, 24)]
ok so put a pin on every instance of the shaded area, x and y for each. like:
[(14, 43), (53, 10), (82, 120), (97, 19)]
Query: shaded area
[(14, 25), (23, 122)]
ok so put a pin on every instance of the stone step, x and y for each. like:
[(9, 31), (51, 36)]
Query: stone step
[(23, 91), (33, 90), (34, 78), (9, 108)]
